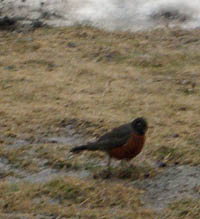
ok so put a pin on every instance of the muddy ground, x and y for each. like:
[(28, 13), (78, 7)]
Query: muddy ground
[(62, 87), (171, 183)]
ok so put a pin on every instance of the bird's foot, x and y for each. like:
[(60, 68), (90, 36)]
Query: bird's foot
[(105, 174)]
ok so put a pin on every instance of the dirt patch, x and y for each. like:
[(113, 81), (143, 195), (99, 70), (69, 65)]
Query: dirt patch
[(49, 174), (29, 149), (173, 184)]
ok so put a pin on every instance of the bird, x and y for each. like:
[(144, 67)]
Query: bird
[(122, 143)]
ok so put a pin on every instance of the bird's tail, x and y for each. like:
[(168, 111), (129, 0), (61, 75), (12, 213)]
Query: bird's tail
[(90, 147), (79, 149)]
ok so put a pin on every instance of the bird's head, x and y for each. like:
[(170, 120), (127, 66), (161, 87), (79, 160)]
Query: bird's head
[(139, 126)]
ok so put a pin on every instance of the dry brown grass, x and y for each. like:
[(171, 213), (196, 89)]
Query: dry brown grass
[(102, 80), (70, 198)]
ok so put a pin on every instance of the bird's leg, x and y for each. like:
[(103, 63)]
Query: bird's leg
[(108, 163), (126, 170), (106, 172)]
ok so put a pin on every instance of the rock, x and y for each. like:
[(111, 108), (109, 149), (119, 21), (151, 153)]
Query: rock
[(161, 164), (7, 23)]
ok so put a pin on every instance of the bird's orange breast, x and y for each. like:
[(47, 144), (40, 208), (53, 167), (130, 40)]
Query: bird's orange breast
[(129, 150)]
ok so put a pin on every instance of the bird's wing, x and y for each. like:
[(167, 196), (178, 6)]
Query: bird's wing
[(115, 138), (118, 133), (106, 145)]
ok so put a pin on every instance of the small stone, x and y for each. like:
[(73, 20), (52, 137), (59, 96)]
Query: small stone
[(175, 135), (185, 82), (161, 164)]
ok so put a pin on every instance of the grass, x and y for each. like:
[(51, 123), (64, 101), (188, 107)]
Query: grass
[(75, 196), (185, 209), (97, 80)]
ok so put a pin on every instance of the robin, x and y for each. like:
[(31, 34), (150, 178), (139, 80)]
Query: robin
[(123, 143)]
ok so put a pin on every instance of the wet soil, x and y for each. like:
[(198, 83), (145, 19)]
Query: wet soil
[(173, 184), (169, 184)]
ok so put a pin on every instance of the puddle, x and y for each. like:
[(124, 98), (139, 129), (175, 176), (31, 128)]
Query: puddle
[(173, 184)]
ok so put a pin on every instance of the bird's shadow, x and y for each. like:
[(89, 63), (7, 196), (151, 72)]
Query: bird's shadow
[(131, 173)]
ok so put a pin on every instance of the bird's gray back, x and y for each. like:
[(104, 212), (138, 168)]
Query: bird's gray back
[(121, 132)]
